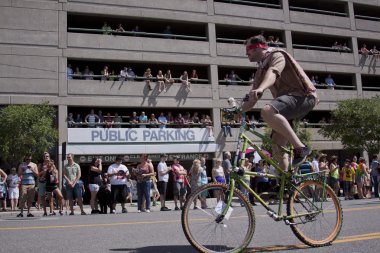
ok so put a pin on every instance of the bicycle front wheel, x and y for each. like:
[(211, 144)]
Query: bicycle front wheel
[(204, 227), (323, 222)]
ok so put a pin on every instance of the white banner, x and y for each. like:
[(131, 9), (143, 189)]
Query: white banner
[(138, 135)]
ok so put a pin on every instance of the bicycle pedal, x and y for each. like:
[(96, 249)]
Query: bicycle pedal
[(289, 223)]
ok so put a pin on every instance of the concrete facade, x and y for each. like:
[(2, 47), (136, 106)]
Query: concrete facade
[(35, 47)]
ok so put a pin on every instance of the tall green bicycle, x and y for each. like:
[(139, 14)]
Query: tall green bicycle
[(226, 221)]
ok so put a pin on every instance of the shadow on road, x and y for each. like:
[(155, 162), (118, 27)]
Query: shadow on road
[(159, 249), (190, 249)]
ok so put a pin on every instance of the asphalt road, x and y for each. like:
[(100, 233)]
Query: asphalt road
[(161, 232)]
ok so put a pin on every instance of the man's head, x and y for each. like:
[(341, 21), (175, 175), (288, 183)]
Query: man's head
[(255, 47), (119, 160), (227, 155), (231, 102), (163, 157)]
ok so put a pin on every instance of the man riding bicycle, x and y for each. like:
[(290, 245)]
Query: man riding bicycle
[(293, 92)]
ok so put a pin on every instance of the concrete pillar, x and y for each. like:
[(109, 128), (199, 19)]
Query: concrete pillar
[(289, 42), (211, 32), (285, 8), (351, 15), (210, 7), (355, 50), (62, 128), (359, 85)]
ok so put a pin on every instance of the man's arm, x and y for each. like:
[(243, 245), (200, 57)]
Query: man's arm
[(79, 174)]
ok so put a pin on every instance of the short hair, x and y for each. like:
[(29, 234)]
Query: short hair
[(374, 157), (256, 39), (227, 153), (348, 161), (361, 159)]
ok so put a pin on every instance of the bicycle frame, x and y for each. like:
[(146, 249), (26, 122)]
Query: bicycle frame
[(283, 176)]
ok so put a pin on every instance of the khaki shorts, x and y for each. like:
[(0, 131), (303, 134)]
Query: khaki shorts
[(28, 193)]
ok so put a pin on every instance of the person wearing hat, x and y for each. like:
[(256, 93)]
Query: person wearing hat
[(163, 178), (179, 187)]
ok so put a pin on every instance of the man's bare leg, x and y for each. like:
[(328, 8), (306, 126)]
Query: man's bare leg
[(281, 157), (281, 125)]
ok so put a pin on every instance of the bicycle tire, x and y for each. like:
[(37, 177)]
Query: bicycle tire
[(328, 222), (205, 233)]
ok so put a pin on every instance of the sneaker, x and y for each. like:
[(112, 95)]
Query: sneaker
[(29, 215), (300, 155), (139, 211), (20, 215), (45, 214), (124, 210), (164, 208), (113, 211), (71, 213), (83, 213), (52, 214), (60, 213), (176, 208), (147, 211)]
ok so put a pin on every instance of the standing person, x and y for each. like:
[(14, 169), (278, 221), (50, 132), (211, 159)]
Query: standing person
[(163, 179), (195, 174), (13, 191), (227, 166), (104, 194), (334, 174), (52, 187), (294, 96), (374, 171), (218, 176), (349, 180), (118, 174), (72, 173), (179, 187), (144, 172), (315, 162), (247, 166), (28, 170), (3, 190), (94, 182), (42, 168), (360, 173)]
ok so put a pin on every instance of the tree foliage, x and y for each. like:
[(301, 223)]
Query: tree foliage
[(356, 123), (26, 129)]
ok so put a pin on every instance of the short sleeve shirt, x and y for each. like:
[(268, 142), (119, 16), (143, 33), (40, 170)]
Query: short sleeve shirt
[(121, 177), (71, 171), (162, 167), (288, 81)]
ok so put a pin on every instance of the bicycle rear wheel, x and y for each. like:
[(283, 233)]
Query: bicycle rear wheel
[(205, 232), (322, 227)]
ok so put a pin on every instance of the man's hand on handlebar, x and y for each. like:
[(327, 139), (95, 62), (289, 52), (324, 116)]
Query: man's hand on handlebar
[(253, 97)]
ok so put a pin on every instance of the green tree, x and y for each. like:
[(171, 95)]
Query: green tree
[(303, 134), (356, 123), (26, 129)]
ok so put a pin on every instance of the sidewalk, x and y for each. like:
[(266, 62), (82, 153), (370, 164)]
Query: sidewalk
[(87, 209)]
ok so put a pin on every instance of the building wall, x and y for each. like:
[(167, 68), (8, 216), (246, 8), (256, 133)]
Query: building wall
[(35, 47)]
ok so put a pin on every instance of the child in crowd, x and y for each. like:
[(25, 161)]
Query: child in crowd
[(104, 194), (349, 179), (13, 190)]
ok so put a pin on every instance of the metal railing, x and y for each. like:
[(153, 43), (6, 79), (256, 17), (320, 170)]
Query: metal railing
[(237, 41), (253, 3), (317, 11), (138, 34), (367, 17), (127, 78), (72, 124), (322, 48)]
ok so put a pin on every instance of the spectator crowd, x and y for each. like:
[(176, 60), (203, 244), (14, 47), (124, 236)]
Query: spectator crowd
[(118, 184)]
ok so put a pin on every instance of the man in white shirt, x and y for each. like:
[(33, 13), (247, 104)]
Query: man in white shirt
[(163, 178), (117, 174), (315, 162)]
